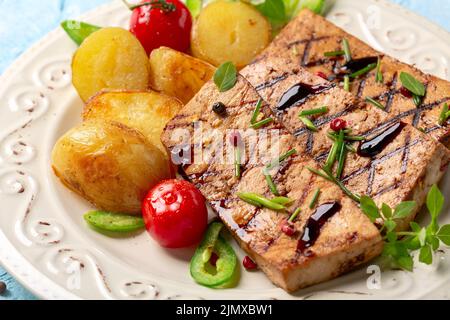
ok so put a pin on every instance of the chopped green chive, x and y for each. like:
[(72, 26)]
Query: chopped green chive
[(294, 215), (283, 157), (282, 200), (374, 102), (379, 76), (313, 112), (308, 123), (256, 112), (334, 53), (256, 199), (347, 52), (262, 123), (347, 83), (237, 162), (271, 184), (314, 199), (347, 146), (328, 176), (444, 114), (334, 135), (358, 73), (334, 151), (341, 161)]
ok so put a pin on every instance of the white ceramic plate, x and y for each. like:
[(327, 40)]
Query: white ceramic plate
[(43, 239)]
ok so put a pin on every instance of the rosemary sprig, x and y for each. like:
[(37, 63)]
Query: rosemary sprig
[(313, 112), (256, 112), (374, 102), (314, 199), (308, 124)]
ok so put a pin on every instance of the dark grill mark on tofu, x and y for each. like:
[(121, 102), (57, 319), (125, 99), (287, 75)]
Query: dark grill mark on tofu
[(272, 82)]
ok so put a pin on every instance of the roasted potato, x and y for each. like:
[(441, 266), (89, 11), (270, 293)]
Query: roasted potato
[(147, 112), (111, 58), (109, 164), (177, 74), (230, 31)]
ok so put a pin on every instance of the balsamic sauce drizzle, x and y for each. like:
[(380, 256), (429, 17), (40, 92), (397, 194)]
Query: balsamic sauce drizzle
[(299, 93), (374, 146)]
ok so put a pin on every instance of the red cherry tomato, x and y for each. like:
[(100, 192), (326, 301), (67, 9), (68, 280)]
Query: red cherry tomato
[(175, 214), (338, 124), (163, 23)]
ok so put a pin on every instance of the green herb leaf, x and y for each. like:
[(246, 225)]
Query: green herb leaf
[(404, 209), (379, 75), (308, 124), (375, 103), (314, 198), (405, 262), (391, 236), (386, 210), (422, 236), (412, 84), (334, 53), (347, 83), (274, 10), (295, 214), (194, 6), (390, 225), (253, 198), (426, 255), (347, 51), (78, 31), (315, 6), (256, 112), (444, 234), (262, 123), (369, 207), (435, 202), (225, 77), (415, 226), (433, 241), (444, 114), (313, 112), (282, 200)]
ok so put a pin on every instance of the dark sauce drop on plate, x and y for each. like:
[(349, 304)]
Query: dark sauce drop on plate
[(299, 93), (315, 223), (370, 148)]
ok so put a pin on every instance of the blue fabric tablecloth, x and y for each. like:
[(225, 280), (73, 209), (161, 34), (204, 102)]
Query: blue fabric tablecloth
[(23, 22)]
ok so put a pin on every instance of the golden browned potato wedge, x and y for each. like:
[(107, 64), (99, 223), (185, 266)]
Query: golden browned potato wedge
[(147, 112), (230, 31), (111, 58), (109, 164), (177, 74)]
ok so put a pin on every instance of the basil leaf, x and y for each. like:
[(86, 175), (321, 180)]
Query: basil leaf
[(194, 6), (404, 209), (412, 84), (435, 202), (433, 241), (274, 10), (78, 31), (369, 207), (426, 255), (444, 234), (225, 77), (387, 211)]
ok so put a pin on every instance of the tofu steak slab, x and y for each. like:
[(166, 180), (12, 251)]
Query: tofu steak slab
[(403, 170), (346, 239), (309, 36)]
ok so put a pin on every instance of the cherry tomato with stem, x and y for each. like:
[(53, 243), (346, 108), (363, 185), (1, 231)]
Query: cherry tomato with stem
[(158, 23), (175, 214)]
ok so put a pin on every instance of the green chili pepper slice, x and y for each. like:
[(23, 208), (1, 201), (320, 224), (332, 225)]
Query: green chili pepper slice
[(78, 31), (113, 222), (225, 269)]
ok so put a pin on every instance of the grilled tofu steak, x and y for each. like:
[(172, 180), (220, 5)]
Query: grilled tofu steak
[(403, 162), (306, 40), (330, 239)]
